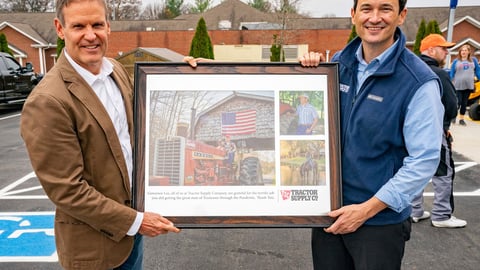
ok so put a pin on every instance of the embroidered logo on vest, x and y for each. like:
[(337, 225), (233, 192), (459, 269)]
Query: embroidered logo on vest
[(375, 98), (344, 88)]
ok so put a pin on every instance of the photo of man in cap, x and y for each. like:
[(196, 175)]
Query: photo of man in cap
[(307, 115)]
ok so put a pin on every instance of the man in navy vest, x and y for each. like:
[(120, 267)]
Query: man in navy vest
[(391, 132)]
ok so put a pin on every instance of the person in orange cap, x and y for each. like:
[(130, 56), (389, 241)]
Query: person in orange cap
[(434, 51)]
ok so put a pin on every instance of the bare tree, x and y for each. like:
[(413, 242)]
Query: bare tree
[(124, 9), (286, 10), (173, 8), (201, 6), (154, 11), (27, 5), (165, 9), (286, 6), (169, 108), (262, 5)]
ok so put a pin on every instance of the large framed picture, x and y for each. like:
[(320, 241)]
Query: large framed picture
[(237, 144)]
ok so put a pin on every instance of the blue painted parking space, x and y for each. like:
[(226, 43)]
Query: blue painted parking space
[(27, 237)]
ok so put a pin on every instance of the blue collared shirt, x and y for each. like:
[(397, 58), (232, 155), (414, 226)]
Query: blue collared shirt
[(306, 114)]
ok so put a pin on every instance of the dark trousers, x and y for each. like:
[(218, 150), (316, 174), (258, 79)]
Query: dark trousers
[(368, 248), (462, 97)]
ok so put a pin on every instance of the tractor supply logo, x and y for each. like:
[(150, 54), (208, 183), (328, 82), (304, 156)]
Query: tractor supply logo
[(299, 195), (285, 194)]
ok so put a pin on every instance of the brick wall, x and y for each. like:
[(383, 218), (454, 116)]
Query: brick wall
[(466, 30), (179, 41)]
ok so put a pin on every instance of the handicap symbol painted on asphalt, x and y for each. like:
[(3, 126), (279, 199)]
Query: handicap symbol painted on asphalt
[(27, 237)]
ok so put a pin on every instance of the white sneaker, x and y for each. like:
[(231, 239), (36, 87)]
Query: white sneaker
[(452, 222), (425, 215)]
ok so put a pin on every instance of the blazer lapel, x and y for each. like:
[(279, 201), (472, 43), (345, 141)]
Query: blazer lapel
[(85, 94)]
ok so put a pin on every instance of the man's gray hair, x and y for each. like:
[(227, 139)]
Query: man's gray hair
[(61, 4)]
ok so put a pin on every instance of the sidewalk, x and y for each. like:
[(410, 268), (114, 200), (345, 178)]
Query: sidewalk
[(466, 139)]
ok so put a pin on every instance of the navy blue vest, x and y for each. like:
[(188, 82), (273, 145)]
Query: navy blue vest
[(372, 140)]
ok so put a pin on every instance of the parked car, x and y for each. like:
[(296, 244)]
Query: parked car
[(16, 82)]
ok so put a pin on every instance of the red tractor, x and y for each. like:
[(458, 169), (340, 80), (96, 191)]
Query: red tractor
[(179, 161)]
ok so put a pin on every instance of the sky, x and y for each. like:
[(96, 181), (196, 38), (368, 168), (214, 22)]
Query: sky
[(341, 8)]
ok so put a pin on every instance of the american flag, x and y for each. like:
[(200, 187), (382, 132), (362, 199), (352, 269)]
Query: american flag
[(239, 123)]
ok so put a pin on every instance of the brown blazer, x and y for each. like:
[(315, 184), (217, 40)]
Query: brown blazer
[(76, 155)]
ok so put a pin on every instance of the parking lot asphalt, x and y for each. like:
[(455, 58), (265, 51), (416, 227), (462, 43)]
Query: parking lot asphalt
[(284, 249), (466, 139), (442, 248)]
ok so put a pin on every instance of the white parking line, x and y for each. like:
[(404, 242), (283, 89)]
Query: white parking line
[(52, 258), (475, 193), (9, 192), (460, 166), (10, 116)]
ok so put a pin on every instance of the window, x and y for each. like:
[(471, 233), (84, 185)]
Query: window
[(290, 51), (11, 63)]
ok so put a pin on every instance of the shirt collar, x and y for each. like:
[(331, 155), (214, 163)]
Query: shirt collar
[(90, 78), (379, 59)]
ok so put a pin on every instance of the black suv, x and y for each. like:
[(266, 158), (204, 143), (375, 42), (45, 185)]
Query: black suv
[(16, 82)]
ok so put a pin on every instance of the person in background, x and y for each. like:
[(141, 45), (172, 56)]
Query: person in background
[(230, 149), (221, 144), (433, 50), (77, 125), (463, 71), (307, 116), (391, 133)]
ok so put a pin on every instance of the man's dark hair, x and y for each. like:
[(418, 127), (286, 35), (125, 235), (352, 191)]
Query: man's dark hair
[(401, 3)]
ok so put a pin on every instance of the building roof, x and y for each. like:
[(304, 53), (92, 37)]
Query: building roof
[(236, 12), (440, 14), (26, 30), (40, 23), (161, 53), (467, 18)]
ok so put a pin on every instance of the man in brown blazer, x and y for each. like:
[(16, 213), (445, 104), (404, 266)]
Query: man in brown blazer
[(78, 127)]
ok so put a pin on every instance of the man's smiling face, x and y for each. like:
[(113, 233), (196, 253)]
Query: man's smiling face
[(85, 32), (376, 20)]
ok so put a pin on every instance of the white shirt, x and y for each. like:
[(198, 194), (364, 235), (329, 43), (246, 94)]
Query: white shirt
[(107, 91)]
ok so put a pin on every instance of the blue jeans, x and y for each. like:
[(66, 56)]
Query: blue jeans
[(302, 130), (135, 260)]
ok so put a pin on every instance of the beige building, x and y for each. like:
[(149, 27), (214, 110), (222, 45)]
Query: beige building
[(255, 53)]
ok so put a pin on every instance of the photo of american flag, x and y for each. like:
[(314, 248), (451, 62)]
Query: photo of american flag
[(239, 123)]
